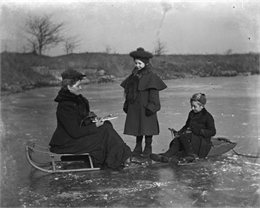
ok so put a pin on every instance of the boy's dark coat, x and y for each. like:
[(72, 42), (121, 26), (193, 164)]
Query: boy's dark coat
[(205, 125)]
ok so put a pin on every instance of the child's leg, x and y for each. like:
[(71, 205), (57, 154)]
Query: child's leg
[(174, 148), (165, 157), (148, 146), (186, 142), (138, 146)]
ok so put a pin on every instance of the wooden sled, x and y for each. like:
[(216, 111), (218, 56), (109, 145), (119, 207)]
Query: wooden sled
[(42, 159), (220, 145)]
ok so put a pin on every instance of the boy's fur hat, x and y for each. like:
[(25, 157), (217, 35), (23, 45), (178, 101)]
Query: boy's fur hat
[(200, 97)]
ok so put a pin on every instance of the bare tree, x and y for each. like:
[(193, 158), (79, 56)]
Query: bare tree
[(32, 47), (24, 49), (43, 33), (5, 48), (160, 48), (70, 44), (108, 48), (228, 52)]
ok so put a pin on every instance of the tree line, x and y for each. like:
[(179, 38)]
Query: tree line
[(42, 33)]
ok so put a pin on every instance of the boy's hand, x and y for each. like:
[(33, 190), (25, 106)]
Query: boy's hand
[(196, 131)]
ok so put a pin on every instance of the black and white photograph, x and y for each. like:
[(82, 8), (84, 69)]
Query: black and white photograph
[(130, 103)]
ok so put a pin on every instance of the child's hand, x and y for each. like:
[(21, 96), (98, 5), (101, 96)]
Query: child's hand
[(148, 112), (196, 131)]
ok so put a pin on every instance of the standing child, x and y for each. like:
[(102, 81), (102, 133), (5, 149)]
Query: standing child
[(142, 101), (195, 135)]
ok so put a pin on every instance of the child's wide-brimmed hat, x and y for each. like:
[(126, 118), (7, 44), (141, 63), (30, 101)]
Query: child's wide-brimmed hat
[(200, 97), (141, 54), (72, 74)]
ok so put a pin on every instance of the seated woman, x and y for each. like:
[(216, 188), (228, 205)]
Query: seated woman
[(77, 133), (195, 136)]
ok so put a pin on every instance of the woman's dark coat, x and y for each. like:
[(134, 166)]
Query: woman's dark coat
[(138, 122), (203, 128), (76, 133)]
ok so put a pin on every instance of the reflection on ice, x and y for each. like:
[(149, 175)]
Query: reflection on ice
[(223, 181), (226, 181)]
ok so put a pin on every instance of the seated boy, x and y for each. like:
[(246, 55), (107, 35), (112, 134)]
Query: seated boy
[(195, 137)]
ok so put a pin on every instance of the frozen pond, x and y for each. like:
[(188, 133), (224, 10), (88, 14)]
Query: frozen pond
[(225, 181)]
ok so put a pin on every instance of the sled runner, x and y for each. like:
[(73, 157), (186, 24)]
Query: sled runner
[(42, 159), (134, 165), (184, 162)]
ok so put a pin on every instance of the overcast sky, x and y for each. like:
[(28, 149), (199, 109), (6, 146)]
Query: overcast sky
[(185, 27)]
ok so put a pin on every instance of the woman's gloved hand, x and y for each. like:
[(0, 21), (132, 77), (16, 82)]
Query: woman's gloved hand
[(99, 122)]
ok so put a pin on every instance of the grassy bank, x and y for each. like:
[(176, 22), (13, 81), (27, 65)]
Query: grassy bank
[(21, 72)]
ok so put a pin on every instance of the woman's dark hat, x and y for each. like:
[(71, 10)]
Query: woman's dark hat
[(140, 53), (72, 74)]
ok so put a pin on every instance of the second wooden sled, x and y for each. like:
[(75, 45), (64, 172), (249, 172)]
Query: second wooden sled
[(220, 145), (42, 159)]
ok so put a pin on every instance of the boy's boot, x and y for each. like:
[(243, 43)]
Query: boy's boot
[(148, 146), (173, 149), (138, 147)]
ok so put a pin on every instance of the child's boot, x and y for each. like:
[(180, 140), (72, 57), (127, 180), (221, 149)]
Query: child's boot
[(138, 147), (148, 146)]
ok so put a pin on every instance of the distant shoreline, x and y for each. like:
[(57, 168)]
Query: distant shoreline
[(21, 72), (9, 93)]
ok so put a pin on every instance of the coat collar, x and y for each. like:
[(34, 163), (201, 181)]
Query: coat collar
[(147, 69), (202, 112), (66, 95)]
